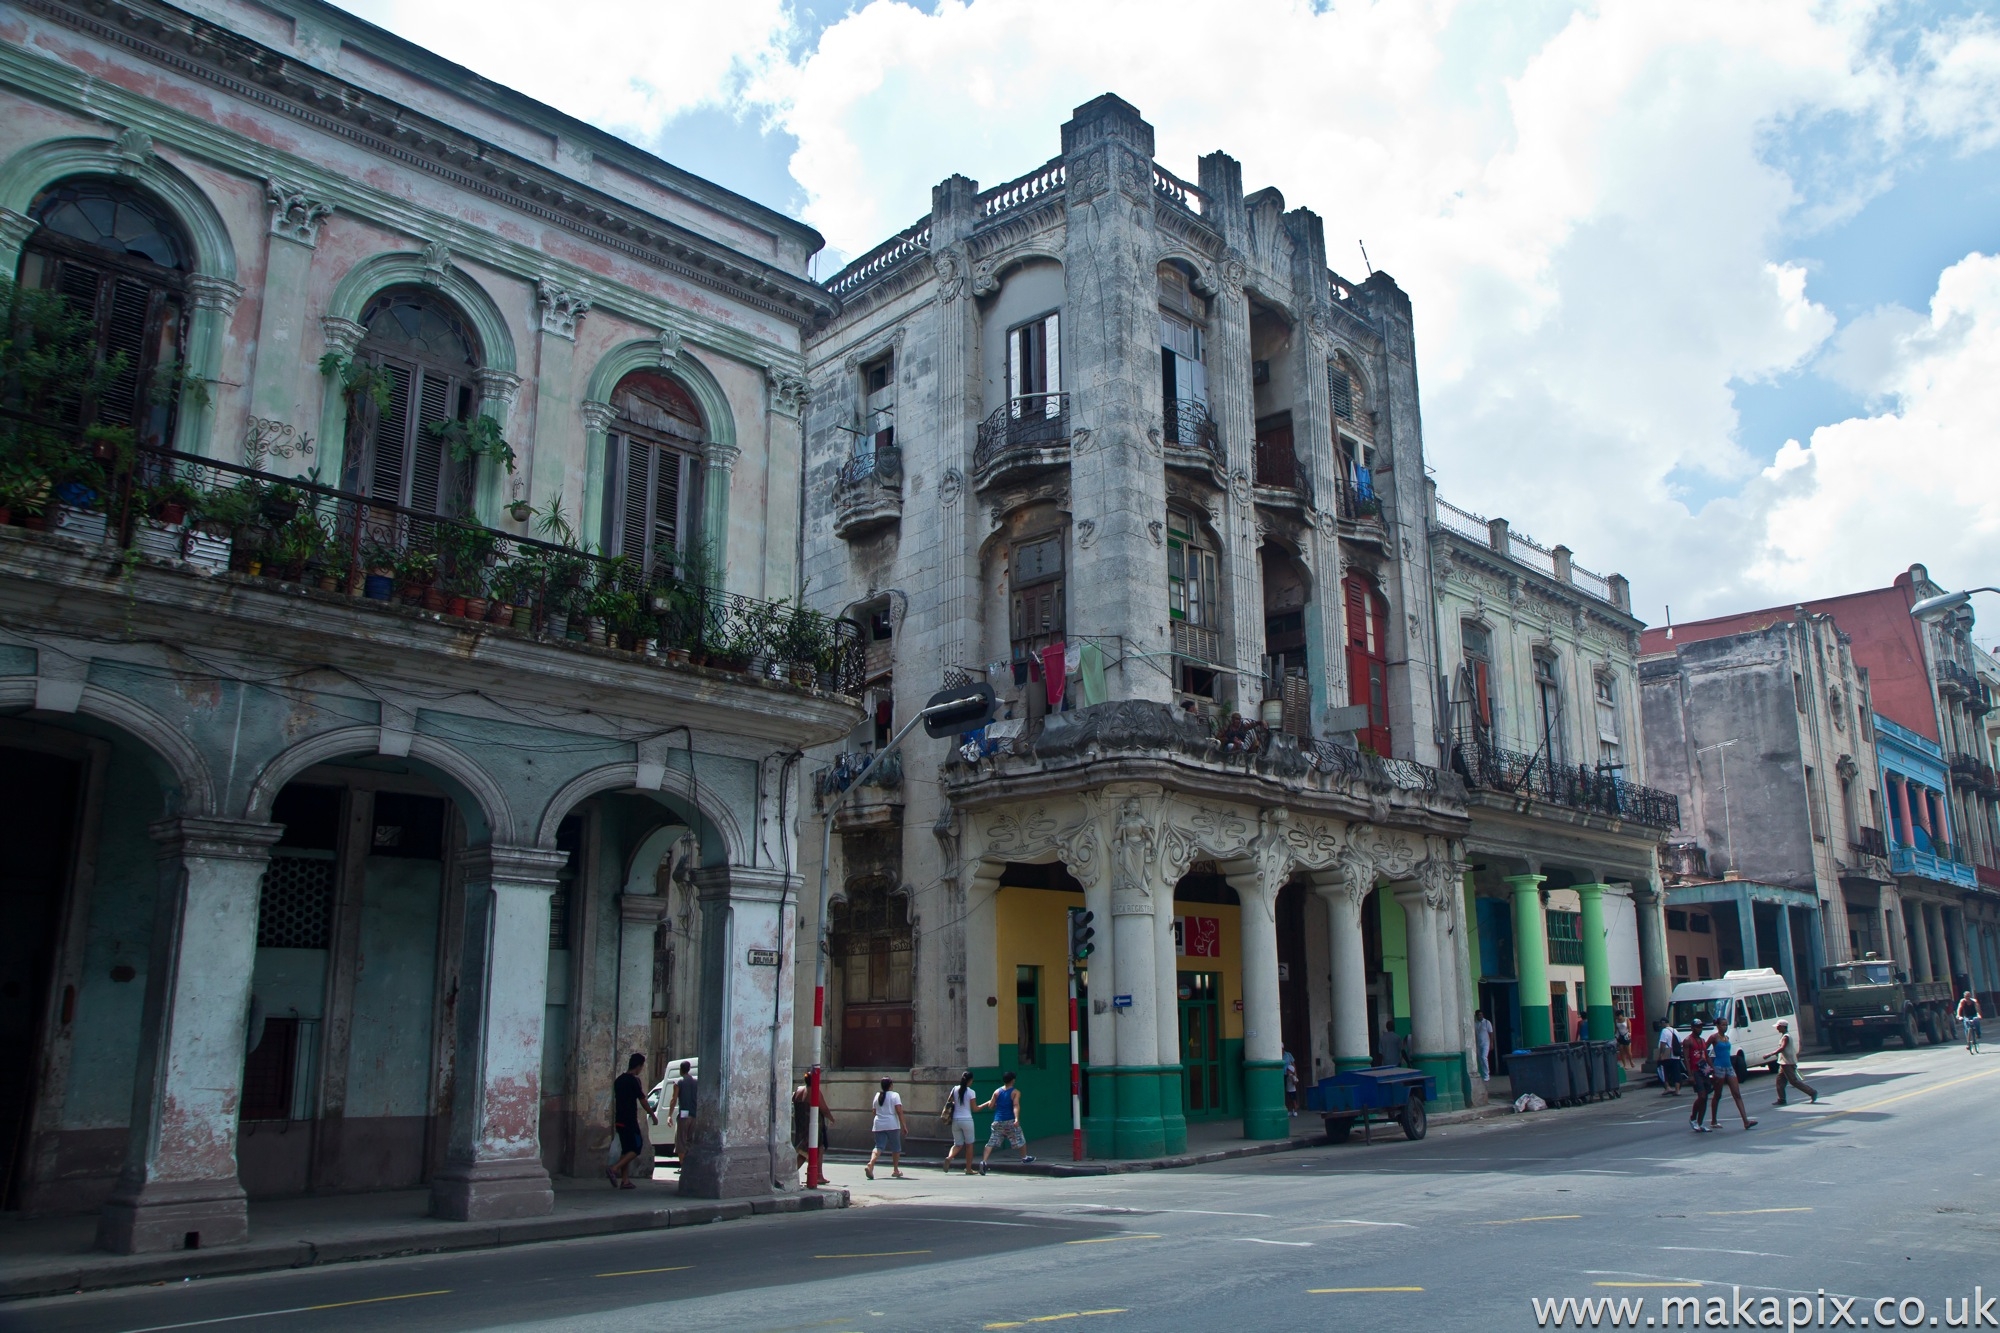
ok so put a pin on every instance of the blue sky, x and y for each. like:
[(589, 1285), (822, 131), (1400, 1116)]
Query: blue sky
[(1704, 289)]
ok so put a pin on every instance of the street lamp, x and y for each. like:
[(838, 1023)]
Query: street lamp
[(948, 713), (1945, 601)]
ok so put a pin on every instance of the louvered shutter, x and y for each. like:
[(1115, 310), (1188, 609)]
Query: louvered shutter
[(1341, 390), (125, 336), (392, 432), (666, 503), (427, 450), (78, 284), (632, 518)]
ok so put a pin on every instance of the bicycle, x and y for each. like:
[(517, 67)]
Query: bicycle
[(1971, 1026)]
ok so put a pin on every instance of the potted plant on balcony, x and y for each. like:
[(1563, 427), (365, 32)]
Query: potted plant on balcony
[(379, 559), (299, 543), (467, 549), (416, 575), (801, 641), (24, 491), (512, 584)]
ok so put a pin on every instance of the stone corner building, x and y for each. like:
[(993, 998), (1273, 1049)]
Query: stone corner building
[(1122, 446), (496, 848)]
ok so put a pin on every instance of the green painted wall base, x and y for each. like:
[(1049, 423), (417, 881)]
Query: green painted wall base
[(1535, 1025), (1137, 1129), (1098, 1126), (1449, 1071), (1264, 1114), (1344, 1063), (1173, 1123)]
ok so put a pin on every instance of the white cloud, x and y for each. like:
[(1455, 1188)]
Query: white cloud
[(1923, 477), (626, 65)]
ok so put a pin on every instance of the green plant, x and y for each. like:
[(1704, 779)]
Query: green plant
[(230, 509), (416, 569), (24, 487), (171, 489), (515, 581), (361, 381), (473, 438), (552, 526), (300, 542), (619, 609), (379, 558)]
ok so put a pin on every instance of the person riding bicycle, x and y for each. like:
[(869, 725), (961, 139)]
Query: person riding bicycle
[(1968, 1019)]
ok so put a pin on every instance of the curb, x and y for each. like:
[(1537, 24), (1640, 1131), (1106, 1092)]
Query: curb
[(73, 1275), (1066, 1170)]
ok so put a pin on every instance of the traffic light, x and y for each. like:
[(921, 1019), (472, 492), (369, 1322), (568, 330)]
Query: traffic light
[(1080, 933)]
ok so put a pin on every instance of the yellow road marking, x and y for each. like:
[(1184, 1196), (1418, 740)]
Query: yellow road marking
[(1343, 1291), (635, 1272), (1106, 1240), (1553, 1217), (1646, 1284), (1748, 1212), (877, 1254), (1052, 1318)]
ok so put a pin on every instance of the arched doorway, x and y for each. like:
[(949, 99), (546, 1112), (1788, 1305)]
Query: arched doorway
[(121, 261), (651, 512), (428, 355), (872, 945)]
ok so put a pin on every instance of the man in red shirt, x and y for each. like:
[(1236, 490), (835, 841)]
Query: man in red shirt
[(1694, 1051)]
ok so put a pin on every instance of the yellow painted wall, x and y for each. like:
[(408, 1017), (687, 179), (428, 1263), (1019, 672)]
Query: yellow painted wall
[(1031, 930)]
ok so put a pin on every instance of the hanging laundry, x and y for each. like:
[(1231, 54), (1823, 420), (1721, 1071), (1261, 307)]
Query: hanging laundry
[(1090, 676), (1054, 662)]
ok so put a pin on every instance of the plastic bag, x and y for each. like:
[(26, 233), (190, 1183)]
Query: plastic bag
[(1528, 1101)]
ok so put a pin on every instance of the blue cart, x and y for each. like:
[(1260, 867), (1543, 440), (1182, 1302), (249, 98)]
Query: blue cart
[(1366, 1095)]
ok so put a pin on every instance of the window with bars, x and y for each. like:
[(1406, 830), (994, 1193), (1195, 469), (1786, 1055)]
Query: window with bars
[(295, 906), (1565, 938), (655, 445), (120, 261)]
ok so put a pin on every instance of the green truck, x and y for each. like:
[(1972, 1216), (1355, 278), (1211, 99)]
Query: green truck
[(1871, 999)]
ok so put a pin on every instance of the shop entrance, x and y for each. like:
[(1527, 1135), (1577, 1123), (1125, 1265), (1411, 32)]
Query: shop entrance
[(39, 794), (1203, 1095)]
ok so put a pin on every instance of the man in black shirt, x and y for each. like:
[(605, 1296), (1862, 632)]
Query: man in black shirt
[(629, 1094)]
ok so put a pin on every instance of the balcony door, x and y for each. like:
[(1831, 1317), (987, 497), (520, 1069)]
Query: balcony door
[(120, 262), (1034, 367), (655, 445), (427, 352), (1368, 659)]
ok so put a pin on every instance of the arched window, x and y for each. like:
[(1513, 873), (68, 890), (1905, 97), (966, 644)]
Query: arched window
[(429, 355), (1368, 658), (120, 259), (655, 445)]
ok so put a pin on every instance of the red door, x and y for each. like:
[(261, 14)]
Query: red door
[(1368, 659)]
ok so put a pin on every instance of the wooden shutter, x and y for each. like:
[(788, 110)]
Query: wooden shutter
[(427, 450), (78, 285), (125, 327), (632, 518), (392, 433), (666, 501), (1482, 692)]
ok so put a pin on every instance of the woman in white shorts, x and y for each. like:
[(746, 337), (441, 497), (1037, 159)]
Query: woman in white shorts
[(957, 1110), (889, 1129)]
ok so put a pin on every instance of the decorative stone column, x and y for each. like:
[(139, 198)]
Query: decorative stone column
[(1257, 881), (1344, 891), (1920, 941), (720, 460), (742, 1142), (493, 1164), (1908, 823), (338, 337), (1648, 904), (1433, 1050), (491, 482), (1886, 904), (1531, 958), (1136, 1131), (1167, 1033), (179, 1189), (1598, 1009), (295, 217), (214, 302)]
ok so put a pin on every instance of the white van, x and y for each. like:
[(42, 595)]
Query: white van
[(1752, 1000)]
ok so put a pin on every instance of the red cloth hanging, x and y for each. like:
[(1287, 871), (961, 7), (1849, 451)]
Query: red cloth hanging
[(1053, 672)]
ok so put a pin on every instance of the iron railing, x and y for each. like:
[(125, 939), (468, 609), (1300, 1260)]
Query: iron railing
[(1030, 421), (1870, 843), (1275, 463), (1189, 425), (1353, 505), (293, 531), (1488, 767), (846, 768)]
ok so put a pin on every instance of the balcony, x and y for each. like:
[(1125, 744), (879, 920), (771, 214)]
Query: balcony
[(1275, 470), (210, 517), (1965, 771), (1355, 501), (1870, 843), (1195, 642), (879, 802), (1023, 436), (869, 493), (1487, 767), (1941, 865), (1190, 434)]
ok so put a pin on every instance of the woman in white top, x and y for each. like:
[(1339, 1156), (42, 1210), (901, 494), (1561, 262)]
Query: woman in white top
[(889, 1130), (957, 1113)]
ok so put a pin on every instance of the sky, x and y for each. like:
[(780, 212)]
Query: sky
[(1706, 290)]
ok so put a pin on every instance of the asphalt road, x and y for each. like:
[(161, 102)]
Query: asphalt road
[(1885, 1189)]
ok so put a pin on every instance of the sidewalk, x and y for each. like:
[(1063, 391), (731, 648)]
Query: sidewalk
[(1208, 1141), (47, 1255)]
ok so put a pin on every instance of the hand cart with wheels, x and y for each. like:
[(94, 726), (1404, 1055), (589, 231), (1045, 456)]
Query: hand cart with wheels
[(1365, 1095)]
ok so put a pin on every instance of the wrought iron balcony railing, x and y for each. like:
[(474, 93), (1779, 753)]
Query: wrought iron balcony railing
[(1030, 421), (1354, 504), (219, 515), (1870, 843), (846, 768), (1189, 426), (1487, 767)]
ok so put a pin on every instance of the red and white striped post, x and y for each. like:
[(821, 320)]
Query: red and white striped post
[(1075, 1076)]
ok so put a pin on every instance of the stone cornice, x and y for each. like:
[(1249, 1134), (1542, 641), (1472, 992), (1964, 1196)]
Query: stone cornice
[(241, 67), (1471, 552)]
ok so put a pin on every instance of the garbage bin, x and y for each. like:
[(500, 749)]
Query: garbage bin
[(1543, 1071), (1614, 1077), (1582, 1080)]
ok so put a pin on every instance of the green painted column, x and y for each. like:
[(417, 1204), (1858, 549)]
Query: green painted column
[(1173, 1121), (1099, 1126), (1531, 958), (1598, 1011), (1135, 1127)]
